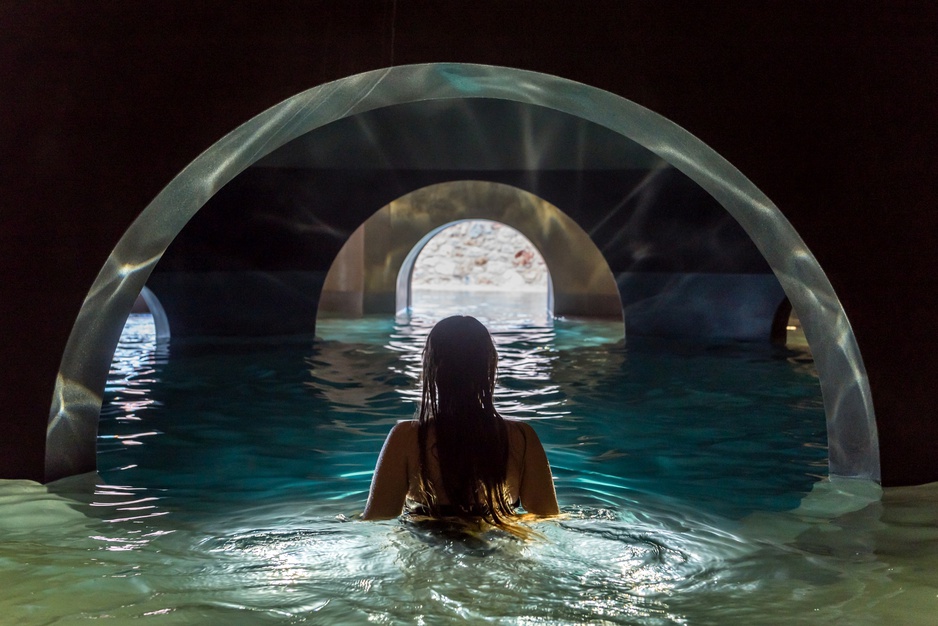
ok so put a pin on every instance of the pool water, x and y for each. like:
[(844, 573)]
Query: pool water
[(692, 478)]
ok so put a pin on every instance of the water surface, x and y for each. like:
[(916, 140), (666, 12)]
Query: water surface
[(693, 481)]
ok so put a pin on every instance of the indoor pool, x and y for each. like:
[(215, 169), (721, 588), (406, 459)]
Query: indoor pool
[(693, 481)]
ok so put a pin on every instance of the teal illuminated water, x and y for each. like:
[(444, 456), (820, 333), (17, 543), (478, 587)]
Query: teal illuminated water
[(693, 481)]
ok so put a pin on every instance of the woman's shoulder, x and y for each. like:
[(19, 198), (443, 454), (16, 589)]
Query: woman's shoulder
[(519, 426), (519, 432), (404, 429), (403, 436)]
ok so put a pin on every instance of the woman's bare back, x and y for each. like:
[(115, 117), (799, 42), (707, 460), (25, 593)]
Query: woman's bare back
[(397, 475)]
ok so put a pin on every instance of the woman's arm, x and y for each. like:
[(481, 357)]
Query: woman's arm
[(537, 485), (391, 479)]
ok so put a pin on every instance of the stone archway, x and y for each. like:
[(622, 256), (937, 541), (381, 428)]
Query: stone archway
[(370, 274)]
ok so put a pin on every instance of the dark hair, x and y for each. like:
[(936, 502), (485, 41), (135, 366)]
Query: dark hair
[(459, 367)]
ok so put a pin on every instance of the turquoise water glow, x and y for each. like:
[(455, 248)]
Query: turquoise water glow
[(690, 477), (732, 428)]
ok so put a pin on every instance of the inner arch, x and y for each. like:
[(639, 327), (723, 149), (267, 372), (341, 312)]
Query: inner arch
[(581, 283), (70, 443)]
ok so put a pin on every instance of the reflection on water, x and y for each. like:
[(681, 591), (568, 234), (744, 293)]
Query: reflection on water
[(688, 477), (498, 311), (299, 562)]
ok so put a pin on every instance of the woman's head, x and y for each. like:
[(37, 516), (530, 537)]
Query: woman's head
[(459, 366), (470, 438)]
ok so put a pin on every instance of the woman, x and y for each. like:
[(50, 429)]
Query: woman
[(460, 458)]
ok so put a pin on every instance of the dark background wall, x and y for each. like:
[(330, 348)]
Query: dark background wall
[(830, 108)]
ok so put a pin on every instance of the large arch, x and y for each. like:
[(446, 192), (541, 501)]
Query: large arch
[(70, 440), (582, 283)]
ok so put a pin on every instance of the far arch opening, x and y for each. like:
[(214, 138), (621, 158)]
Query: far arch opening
[(482, 267)]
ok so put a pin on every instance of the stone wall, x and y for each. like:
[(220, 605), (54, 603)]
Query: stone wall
[(480, 255)]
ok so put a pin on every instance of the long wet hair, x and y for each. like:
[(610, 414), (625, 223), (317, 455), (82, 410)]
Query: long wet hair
[(459, 367)]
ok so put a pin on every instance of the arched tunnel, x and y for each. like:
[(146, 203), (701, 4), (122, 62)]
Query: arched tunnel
[(694, 249), (253, 260)]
